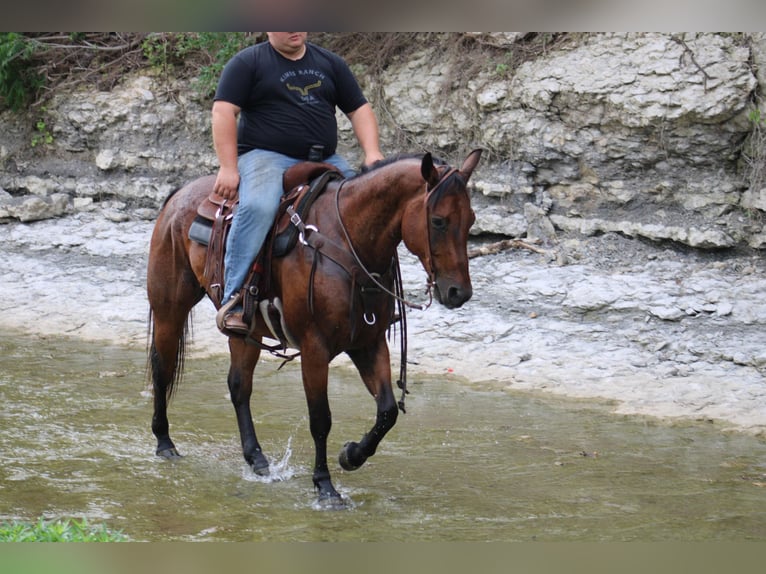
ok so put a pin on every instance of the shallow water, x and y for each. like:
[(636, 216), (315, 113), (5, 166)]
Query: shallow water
[(463, 463)]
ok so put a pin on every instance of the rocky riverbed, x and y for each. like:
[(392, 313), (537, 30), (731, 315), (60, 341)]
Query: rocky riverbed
[(651, 329)]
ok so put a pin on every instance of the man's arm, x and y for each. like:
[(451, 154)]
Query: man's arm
[(365, 126), (224, 124)]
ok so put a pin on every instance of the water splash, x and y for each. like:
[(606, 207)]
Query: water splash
[(345, 503), (280, 468)]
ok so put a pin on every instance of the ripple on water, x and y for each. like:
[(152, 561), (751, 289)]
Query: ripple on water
[(462, 464)]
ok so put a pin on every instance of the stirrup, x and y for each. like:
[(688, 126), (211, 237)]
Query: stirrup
[(226, 309), (234, 324)]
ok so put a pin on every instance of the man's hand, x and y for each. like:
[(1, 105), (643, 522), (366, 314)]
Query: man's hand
[(371, 158), (227, 183)]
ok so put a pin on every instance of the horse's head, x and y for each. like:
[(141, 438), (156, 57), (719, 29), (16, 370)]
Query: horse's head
[(437, 230)]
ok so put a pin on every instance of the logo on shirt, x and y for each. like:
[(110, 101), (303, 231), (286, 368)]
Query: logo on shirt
[(304, 91), (302, 82)]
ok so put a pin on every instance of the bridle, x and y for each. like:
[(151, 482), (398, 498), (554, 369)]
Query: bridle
[(427, 260)]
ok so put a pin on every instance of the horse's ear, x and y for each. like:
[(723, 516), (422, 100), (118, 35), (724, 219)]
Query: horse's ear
[(471, 162), (428, 171)]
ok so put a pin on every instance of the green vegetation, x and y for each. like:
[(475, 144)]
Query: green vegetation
[(42, 134), (33, 66), (58, 531), (19, 78), (203, 54)]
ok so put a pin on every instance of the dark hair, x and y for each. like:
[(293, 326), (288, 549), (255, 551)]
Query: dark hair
[(394, 158)]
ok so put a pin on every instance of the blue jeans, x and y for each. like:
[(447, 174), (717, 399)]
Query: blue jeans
[(260, 190)]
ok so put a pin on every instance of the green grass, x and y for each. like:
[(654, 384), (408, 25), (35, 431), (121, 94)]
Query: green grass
[(65, 530)]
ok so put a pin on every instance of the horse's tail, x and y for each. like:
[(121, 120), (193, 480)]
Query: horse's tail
[(153, 365)]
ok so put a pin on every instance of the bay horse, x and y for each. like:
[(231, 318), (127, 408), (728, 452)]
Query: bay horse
[(413, 199)]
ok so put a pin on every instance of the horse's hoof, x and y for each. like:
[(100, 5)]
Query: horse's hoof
[(329, 498), (260, 464), (169, 453), (331, 502), (345, 458)]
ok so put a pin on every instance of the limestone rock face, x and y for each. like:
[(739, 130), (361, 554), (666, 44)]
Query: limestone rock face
[(645, 134)]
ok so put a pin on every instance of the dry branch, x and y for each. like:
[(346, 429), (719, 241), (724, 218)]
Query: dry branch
[(503, 245)]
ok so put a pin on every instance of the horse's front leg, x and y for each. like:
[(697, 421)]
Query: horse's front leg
[(375, 368), (243, 360), (314, 370)]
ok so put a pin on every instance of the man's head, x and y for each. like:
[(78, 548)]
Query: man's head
[(291, 45)]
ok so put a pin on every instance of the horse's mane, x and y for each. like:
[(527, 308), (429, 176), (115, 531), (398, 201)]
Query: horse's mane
[(171, 194), (403, 156), (393, 159)]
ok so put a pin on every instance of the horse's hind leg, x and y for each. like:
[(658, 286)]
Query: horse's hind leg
[(172, 291), (243, 360), (375, 368), (167, 346)]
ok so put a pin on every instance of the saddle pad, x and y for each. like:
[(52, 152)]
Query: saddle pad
[(200, 231)]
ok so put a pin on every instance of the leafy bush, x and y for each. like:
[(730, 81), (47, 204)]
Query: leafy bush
[(34, 65), (19, 79), (199, 54), (58, 531)]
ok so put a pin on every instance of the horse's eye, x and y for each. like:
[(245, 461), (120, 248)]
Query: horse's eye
[(438, 223)]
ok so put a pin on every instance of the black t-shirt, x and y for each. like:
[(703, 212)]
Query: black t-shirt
[(288, 106)]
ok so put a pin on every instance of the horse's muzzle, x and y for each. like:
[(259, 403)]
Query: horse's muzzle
[(452, 295)]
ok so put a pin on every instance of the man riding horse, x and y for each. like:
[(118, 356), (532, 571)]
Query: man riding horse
[(285, 92), (337, 289)]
